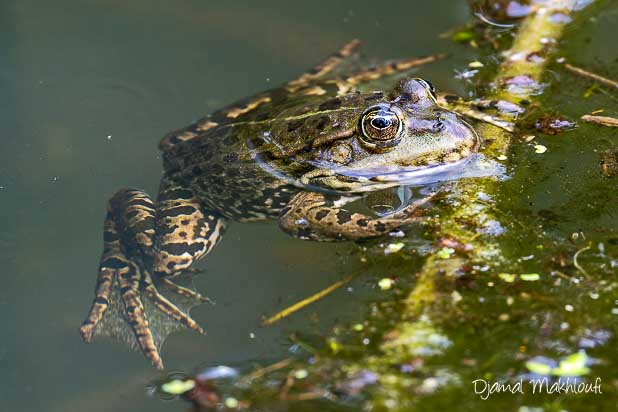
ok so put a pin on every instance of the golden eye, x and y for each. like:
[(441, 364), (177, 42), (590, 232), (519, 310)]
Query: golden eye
[(381, 127)]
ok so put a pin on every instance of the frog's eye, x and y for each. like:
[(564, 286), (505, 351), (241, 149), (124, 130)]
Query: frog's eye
[(428, 86), (381, 127)]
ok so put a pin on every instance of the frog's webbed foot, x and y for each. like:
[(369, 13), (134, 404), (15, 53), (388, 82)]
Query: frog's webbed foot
[(316, 216), (116, 271), (128, 303)]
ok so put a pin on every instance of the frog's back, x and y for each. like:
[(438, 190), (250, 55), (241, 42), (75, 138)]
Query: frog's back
[(220, 169), (224, 157), (261, 111)]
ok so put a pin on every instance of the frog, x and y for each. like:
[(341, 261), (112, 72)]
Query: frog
[(295, 154)]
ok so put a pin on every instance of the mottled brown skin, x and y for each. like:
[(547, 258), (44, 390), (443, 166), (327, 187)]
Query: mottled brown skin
[(277, 155)]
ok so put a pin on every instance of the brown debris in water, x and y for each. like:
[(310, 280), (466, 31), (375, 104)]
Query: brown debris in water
[(455, 244), (590, 75), (600, 120), (553, 124), (609, 163)]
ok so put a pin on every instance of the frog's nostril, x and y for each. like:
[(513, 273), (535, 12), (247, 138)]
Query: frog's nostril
[(438, 126)]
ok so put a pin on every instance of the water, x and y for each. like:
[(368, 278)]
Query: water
[(88, 88)]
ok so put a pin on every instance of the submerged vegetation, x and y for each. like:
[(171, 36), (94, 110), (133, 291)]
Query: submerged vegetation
[(505, 286)]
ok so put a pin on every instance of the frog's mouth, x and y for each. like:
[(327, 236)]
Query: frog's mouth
[(336, 177)]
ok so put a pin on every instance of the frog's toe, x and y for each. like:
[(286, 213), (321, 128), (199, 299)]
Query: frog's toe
[(105, 279), (88, 327), (170, 309), (119, 275), (87, 332), (186, 292), (128, 279)]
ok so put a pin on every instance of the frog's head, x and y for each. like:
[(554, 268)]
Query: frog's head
[(403, 129), (410, 129)]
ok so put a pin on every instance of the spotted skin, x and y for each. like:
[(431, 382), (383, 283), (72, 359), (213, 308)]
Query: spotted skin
[(112, 261), (273, 156), (128, 281), (374, 73), (186, 230), (324, 68), (140, 238), (316, 216)]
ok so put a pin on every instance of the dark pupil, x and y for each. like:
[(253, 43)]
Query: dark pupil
[(380, 122)]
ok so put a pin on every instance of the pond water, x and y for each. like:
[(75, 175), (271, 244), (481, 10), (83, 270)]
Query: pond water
[(89, 88)]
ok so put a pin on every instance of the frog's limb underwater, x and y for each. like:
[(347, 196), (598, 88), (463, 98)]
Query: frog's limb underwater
[(345, 84), (143, 241), (325, 67), (316, 216), (117, 270), (350, 82)]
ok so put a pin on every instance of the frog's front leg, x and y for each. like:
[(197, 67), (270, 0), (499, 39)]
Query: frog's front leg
[(317, 216), (145, 245)]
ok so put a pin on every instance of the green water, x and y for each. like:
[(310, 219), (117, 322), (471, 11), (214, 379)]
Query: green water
[(87, 90)]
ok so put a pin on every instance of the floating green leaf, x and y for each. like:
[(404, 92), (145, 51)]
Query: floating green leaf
[(301, 374), (177, 386), (385, 283), (573, 365), (231, 403), (445, 252), (393, 248), (539, 148), (530, 277), (507, 277), (539, 368), (463, 36), (590, 91)]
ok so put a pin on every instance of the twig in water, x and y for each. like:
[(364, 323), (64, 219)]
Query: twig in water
[(566, 277), (307, 396), (602, 120), (576, 263), (590, 75), (289, 382), (302, 344), (299, 305), (258, 373), (466, 110)]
